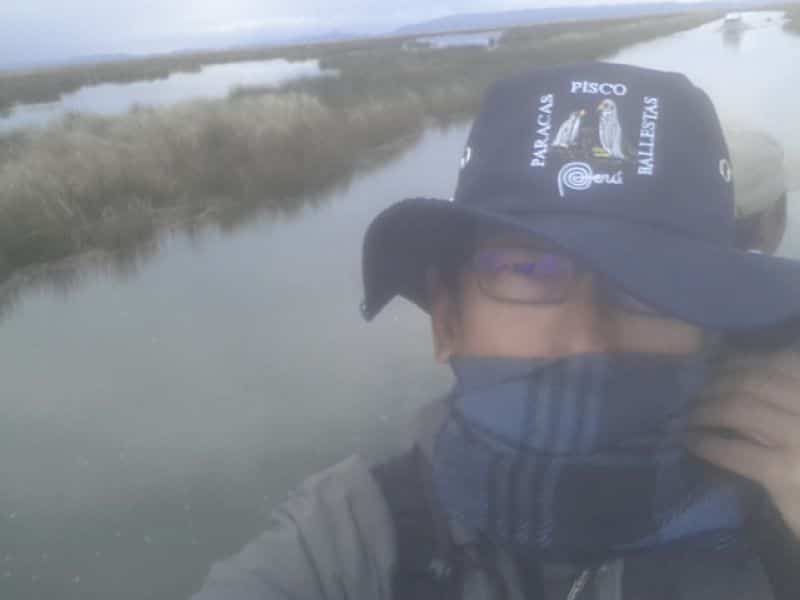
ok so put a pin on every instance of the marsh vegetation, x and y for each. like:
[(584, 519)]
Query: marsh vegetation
[(89, 182)]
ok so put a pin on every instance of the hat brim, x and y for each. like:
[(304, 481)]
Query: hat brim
[(695, 281)]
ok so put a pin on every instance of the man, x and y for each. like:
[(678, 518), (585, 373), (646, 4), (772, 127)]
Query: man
[(760, 190), (583, 293)]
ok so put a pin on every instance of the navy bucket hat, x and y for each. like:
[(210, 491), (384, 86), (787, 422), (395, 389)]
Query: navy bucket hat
[(626, 168)]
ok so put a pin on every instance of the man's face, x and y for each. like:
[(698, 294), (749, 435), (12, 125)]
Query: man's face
[(473, 323)]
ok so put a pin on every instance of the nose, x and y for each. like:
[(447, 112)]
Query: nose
[(585, 326)]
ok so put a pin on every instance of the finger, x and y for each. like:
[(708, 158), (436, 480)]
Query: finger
[(775, 391), (781, 355), (785, 363), (761, 422), (763, 465)]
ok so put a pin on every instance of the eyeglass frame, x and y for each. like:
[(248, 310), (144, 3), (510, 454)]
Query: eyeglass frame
[(610, 290)]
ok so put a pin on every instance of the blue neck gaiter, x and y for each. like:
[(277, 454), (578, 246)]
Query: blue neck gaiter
[(582, 457)]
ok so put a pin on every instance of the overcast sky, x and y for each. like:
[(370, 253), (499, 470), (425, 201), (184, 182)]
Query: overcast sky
[(32, 30)]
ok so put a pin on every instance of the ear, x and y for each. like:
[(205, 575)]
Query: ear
[(763, 232), (444, 317)]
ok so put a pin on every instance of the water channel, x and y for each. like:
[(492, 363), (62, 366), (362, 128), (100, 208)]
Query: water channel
[(210, 82)]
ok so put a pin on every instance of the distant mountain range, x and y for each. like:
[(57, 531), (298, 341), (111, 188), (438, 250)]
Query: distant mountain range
[(500, 20)]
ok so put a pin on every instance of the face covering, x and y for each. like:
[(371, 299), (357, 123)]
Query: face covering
[(582, 457)]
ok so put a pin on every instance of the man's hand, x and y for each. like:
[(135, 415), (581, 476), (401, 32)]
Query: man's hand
[(757, 397)]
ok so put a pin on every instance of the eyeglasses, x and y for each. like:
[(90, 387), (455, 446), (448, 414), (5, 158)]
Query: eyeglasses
[(527, 275)]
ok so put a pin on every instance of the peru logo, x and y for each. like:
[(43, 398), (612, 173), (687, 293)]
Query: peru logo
[(579, 176)]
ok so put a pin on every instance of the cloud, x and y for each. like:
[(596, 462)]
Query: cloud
[(254, 24)]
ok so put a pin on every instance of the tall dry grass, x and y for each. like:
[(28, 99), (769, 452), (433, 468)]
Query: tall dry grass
[(110, 183)]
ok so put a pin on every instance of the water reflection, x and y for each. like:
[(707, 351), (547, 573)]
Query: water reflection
[(131, 253), (213, 81), (732, 37), (189, 385), (60, 279)]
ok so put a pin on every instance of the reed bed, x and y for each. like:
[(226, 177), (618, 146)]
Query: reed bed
[(110, 183)]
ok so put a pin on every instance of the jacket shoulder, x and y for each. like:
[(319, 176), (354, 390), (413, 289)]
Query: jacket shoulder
[(332, 539)]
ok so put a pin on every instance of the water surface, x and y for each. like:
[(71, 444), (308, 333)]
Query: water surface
[(213, 81), (751, 75)]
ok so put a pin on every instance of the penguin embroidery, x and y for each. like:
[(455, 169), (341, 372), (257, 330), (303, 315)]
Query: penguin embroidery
[(609, 131), (569, 131)]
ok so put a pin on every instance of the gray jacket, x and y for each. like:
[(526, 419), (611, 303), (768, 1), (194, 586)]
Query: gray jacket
[(335, 540)]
